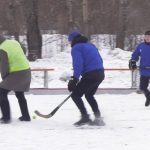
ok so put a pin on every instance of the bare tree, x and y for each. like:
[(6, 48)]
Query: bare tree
[(85, 17), (122, 24), (34, 38), (13, 19), (70, 15), (115, 17)]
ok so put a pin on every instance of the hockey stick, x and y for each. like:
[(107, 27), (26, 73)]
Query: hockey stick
[(53, 112)]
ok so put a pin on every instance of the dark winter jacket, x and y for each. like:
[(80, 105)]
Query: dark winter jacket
[(142, 52), (85, 57)]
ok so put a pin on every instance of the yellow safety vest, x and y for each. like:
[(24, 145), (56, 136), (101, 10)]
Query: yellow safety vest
[(16, 57)]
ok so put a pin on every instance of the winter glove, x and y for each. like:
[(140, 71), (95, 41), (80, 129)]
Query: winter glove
[(132, 64), (72, 83)]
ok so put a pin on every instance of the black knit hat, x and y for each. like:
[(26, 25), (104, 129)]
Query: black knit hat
[(2, 39), (147, 33)]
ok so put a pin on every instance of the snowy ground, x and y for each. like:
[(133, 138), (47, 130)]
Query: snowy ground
[(62, 64), (127, 125)]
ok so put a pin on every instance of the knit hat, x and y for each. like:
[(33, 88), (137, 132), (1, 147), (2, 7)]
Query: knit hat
[(72, 35), (2, 38), (147, 33)]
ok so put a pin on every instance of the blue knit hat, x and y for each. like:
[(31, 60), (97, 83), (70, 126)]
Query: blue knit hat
[(72, 35)]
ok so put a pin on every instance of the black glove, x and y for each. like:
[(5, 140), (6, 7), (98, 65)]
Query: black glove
[(132, 64), (72, 83)]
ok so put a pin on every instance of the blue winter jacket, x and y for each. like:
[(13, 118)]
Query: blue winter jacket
[(143, 52), (85, 58)]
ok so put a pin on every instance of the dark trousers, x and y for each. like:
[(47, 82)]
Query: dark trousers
[(144, 82), (5, 107), (88, 86)]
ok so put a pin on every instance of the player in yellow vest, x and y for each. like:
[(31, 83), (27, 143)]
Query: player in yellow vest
[(16, 76)]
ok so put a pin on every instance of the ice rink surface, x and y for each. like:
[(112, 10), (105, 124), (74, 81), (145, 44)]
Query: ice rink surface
[(127, 125)]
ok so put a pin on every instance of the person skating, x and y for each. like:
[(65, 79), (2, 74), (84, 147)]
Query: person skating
[(87, 63), (142, 52), (16, 76)]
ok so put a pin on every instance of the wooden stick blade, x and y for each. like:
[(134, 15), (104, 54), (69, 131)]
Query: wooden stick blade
[(42, 115)]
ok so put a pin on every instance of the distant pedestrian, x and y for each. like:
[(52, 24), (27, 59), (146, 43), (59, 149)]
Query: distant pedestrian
[(87, 64), (142, 53), (16, 76)]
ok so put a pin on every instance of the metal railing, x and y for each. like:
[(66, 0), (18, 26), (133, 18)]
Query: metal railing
[(134, 74), (45, 75)]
